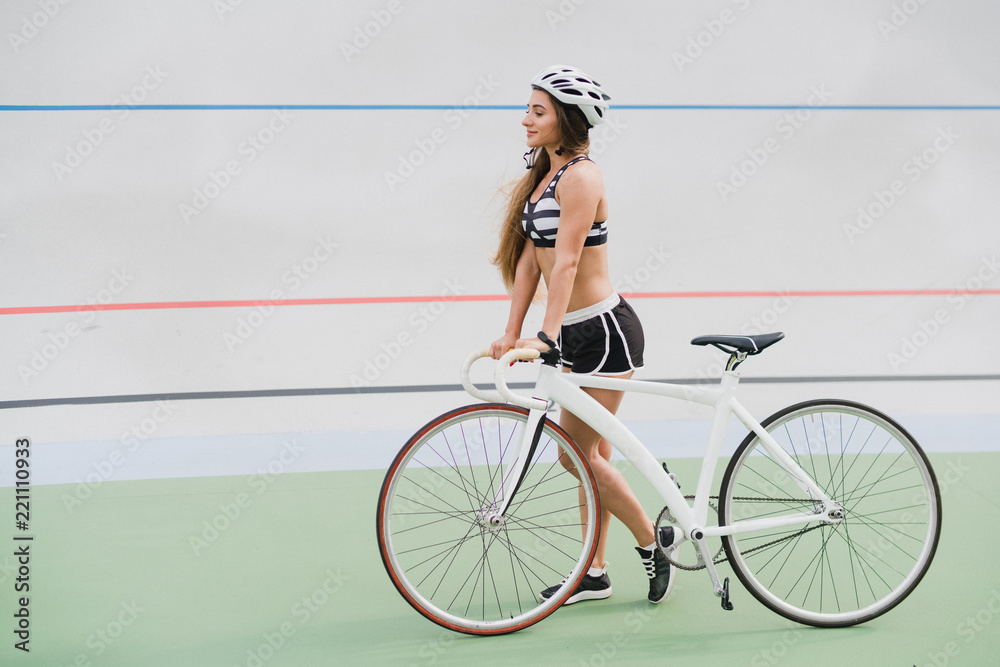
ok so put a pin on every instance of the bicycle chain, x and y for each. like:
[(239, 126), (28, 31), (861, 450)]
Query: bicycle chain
[(715, 559)]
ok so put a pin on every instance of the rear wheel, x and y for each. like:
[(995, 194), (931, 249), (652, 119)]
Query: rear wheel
[(833, 574), (447, 559)]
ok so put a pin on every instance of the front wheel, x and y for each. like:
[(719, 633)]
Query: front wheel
[(440, 548), (846, 572)]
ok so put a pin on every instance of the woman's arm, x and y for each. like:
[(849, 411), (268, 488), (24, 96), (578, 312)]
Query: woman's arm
[(526, 277), (580, 191)]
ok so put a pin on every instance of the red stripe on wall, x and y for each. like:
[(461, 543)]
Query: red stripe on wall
[(344, 301)]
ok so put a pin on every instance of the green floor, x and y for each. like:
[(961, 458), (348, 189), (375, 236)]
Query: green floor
[(136, 574)]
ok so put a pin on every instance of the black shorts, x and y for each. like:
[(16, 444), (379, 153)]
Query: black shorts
[(605, 338)]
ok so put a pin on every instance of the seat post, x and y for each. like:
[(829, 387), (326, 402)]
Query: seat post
[(735, 359)]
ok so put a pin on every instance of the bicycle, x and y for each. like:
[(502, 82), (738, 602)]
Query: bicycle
[(829, 512)]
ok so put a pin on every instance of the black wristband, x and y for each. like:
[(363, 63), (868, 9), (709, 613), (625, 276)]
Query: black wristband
[(542, 336)]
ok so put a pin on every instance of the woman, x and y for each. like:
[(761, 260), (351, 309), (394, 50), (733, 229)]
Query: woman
[(561, 206)]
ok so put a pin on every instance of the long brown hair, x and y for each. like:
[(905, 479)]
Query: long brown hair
[(573, 128)]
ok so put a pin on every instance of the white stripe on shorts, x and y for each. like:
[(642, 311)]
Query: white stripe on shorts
[(599, 308), (628, 353)]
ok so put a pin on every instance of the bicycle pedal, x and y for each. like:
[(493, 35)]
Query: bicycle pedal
[(671, 475), (726, 604)]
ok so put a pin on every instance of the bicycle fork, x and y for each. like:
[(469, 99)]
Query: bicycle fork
[(493, 515)]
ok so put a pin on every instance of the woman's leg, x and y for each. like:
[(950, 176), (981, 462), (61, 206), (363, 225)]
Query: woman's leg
[(616, 496), (604, 449)]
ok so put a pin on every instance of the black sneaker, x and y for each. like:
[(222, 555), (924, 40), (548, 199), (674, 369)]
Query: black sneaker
[(590, 588), (660, 572)]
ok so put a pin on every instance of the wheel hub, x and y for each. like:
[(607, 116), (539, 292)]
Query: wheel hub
[(490, 520), (837, 514)]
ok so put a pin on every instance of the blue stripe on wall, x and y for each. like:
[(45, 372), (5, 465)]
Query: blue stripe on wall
[(491, 107)]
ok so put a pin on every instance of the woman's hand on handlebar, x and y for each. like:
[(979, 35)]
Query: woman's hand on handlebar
[(502, 345), (508, 342), (533, 343)]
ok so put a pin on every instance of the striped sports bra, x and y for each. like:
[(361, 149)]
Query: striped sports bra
[(541, 219)]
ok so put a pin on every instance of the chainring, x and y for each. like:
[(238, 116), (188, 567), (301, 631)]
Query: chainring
[(671, 553)]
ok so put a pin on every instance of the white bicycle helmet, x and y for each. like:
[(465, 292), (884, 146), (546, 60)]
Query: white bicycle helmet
[(571, 86)]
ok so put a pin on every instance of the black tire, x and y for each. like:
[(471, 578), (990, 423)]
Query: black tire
[(839, 574), (450, 564)]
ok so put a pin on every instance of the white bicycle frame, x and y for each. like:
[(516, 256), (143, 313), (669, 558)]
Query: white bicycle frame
[(564, 389)]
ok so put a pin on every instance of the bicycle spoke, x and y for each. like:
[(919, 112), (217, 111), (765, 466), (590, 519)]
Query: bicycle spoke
[(424, 489), (447, 517), (453, 551), (879, 559), (486, 453), (473, 502)]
